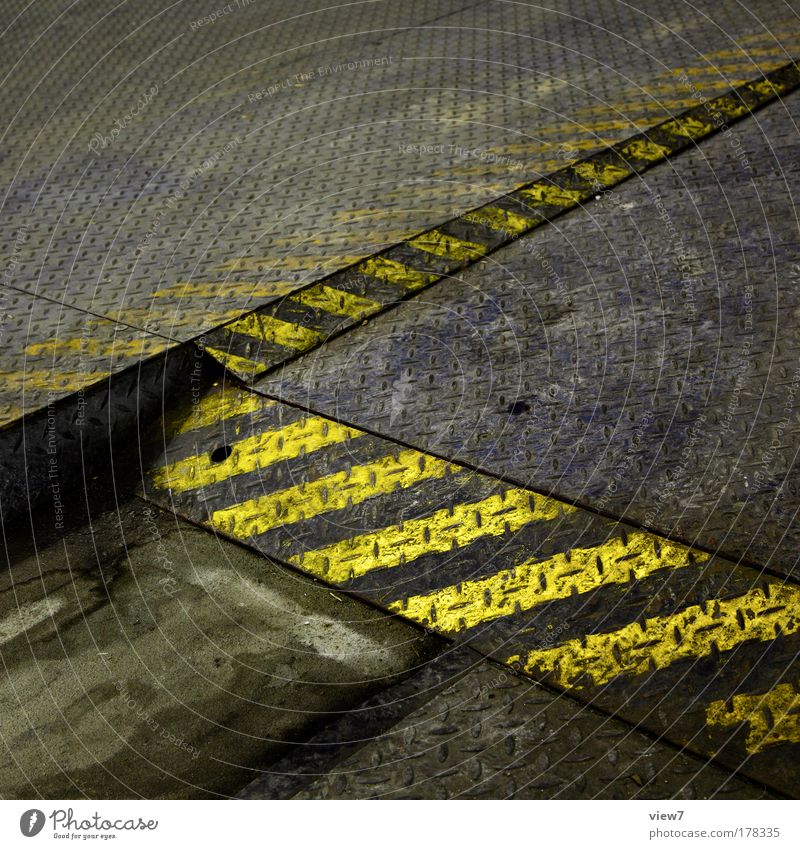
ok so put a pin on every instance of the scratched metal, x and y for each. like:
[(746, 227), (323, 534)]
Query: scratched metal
[(170, 173), (493, 735), (639, 355)]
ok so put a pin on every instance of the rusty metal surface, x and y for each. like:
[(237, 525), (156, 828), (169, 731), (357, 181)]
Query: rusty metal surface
[(639, 355), (691, 646), (493, 735)]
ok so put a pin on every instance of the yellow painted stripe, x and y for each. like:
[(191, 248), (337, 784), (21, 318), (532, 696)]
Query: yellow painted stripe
[(386, 269), (91, 347), (449, 247), (238, 365), (267, 328), (582, 570), (217, 407), (224, 288), (691, 128), (773, 717), (48, 379), (503, 220), (601, 174), (336, 302), (332, 492), (442, 531), (693, 633), (645, 149), (255, 452), (288, 262), (553, 195)]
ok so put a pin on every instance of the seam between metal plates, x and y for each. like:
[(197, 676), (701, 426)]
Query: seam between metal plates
[(283, 330), (692, 645)]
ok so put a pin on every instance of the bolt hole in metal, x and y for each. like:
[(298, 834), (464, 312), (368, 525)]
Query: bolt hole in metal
[(518, 407), (220, 453)]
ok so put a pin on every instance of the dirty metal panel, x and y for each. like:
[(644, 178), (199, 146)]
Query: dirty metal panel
[(251, 346), (172, 172), (493, 735), (49, 351), (689, 645), (639, 356)]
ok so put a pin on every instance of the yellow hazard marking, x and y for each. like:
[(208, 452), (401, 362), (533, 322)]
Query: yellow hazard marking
[(267, 328), (386, 269), (773, 717), (225, 288), (336, 302), (52, 379), (719, 624), (254, 452), (503, 220), (449, 247), (766, 88), (600, 174), (92, 347), (470, 603), (298, 262), (690, 128), (729, 106), (329, 493), (645, 149), (442, 531), (217, 407), (553, 195), (236, 364)]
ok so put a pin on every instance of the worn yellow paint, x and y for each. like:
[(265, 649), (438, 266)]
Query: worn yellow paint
[(332, 492), (503, 220), (729, 106), (168, 315), (553, 195), (48, 379), (600, 174), (690, 128), (695, 632), (391, 271), (773, 717), (258, 451), (449, 247), (226, 288), (217, 407), (766, 88), (470, 603), (92, 347), (289, 262), (238, 365), (441, 531), (336, 302), (267, 328), (645, 149)]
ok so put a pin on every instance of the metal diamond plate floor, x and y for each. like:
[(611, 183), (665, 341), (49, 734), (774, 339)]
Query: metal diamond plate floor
[(638, 355), (167, 170)]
